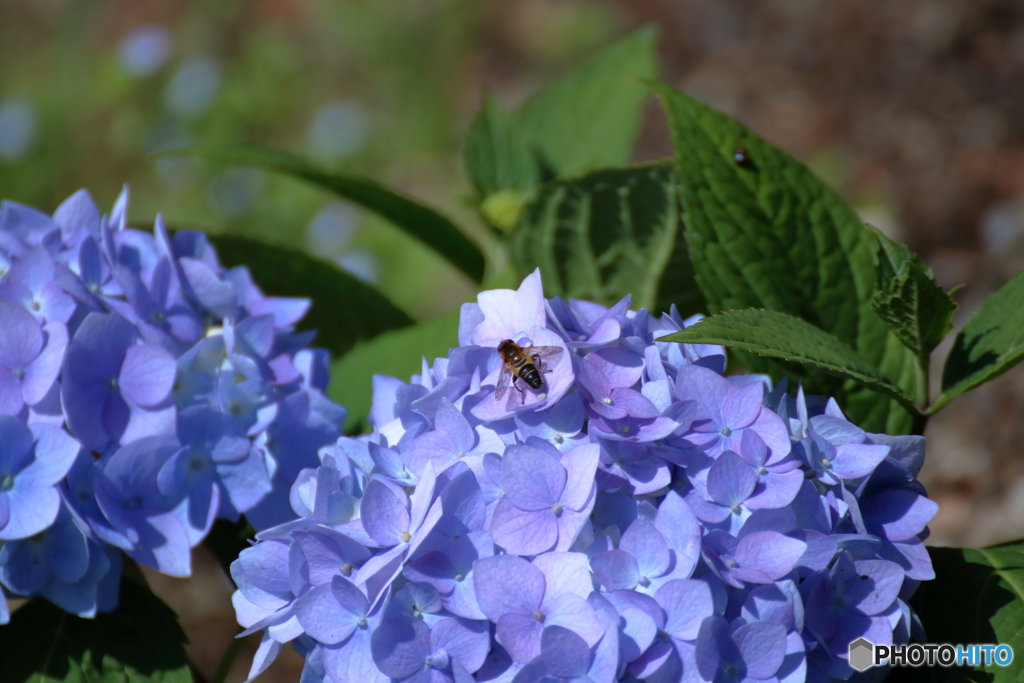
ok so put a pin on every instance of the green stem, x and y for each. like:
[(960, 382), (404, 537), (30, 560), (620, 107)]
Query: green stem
[(940, 402), (922, 388), (227, 659)]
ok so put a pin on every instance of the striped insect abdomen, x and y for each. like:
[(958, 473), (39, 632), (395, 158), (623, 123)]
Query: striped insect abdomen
[(528, 373)]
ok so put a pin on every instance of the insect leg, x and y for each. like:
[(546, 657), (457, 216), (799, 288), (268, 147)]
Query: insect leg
[(522, 394), (539, 364)]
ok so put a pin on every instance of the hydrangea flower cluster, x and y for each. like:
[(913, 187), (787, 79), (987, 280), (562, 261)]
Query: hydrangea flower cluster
[(639, 516), (145, 390)]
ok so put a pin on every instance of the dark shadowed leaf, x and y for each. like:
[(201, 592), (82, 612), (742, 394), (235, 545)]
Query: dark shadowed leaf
[(345, 310), (912, 304), (991, 342), (228, 539), (415, 218), (607, 234), (777, 335), (396, 354), (139, 642), (765, 232), (977, 596), (589, 118)]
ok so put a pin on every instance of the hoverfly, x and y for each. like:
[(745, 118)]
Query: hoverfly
[(522, 362)]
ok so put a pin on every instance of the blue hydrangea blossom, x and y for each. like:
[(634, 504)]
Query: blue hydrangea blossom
[(145, 390), (640, 516)]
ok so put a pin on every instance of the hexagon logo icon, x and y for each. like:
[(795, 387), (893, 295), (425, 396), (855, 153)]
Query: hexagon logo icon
[(862, 654)]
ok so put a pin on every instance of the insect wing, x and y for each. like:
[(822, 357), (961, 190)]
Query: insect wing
[(504, 379), (543, 351)]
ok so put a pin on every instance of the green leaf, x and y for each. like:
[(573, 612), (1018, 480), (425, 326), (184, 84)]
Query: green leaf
[(977, 596), (589, 118), (419, 220), (396, 354), (991, 342), (607, 234), (912, 304), (765, 232), (139, 642), (497, 156), (777, 335), (344, 311)]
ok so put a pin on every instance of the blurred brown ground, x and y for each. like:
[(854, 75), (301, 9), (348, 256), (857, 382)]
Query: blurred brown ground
[(912, 110)]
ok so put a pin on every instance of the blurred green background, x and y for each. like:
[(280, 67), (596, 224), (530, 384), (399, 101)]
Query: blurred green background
[(88, 89), (912, 110)]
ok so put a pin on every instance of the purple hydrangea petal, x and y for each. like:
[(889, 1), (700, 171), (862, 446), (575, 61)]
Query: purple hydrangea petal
[(604, 667), (762, 647), (837, 430), (913, 556), (211, 292), (94, 408), (706, 387), (679, 527), (886, 579), (523, 532), (558, 424), (520, 634), (147, 374), (730, 480), (773, 432), (352, 660), (608, 369), (660, 663), (853, 461), (779, 602), (507, 584), (322, 617), (645, 543), (42, 372), (27, 476), (615, 569), (327, 552), (564, 653), (687, 603), (776, 490), (532, 479), (766, 556), (450, 421), (261, 574), (350, 597), (640, 619), (21, 340), (742, 406), (265, 655), (900, 514), (466, 642), (77, 212), (564, 572), (574, 613), (385, 511), (580, 464), (507, 314), (709, 658)]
